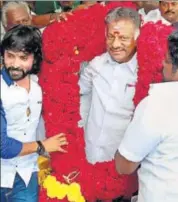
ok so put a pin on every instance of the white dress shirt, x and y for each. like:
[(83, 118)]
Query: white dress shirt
[(152, 139), (152, 16), (107, 89), (21, 125)]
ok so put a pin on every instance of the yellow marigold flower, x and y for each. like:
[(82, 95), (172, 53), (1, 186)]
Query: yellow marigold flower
[(57, 190), (81, 199), (51, 193), (49, 181), (53, 190), (63, 189), (43, 163), (74, 192)]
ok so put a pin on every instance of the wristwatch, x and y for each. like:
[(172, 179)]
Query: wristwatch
[(41, 149)]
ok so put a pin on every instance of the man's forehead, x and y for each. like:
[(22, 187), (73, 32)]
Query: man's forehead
[(17, 9), (17, 12), (120, 26), (168, 1), (17, 52)]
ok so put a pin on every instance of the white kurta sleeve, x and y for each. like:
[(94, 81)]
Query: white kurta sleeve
[(85, 80), (87, 73), (140, 139)]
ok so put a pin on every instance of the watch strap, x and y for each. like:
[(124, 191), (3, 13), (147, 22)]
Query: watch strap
[(41, 148)]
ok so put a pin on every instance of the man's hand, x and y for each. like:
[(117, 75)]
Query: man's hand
[(55, 143), (59, 16)]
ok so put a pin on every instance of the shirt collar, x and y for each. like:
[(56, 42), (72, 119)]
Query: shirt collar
[(132, 63), (142, 12), (6, 77)]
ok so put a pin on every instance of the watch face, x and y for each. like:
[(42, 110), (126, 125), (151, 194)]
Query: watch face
[(41, 148), (41, 151)]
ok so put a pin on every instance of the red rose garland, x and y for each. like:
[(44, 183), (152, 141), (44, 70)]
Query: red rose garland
[(65, 46), (151, 50)]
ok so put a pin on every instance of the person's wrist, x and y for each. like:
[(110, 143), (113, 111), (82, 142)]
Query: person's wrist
[(41, 149), (36, 146), (52, 17), (44, 144)]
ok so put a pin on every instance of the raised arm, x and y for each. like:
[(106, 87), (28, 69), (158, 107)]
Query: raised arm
[(11, 148)]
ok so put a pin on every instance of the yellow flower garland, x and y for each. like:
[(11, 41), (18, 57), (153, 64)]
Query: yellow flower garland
[(58, 190), (45, 169)]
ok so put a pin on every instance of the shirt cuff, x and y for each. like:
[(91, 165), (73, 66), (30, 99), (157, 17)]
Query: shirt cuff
[(128, 155)]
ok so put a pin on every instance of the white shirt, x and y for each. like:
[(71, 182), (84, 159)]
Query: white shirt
[(152, 139), (16, 100), (2, 31), (107, 90), (152, 16)]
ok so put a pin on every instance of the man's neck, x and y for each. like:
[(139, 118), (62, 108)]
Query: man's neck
[(24, 83)]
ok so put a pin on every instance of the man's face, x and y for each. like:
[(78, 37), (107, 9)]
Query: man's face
[(120, 42), (168, 73), (139, 4), (18, 64), (17, 16), (169, 10)]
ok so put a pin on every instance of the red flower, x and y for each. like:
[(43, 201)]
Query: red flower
[(152, 47)]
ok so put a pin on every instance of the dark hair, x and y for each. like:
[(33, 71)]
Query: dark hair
[(173, 48), (26, 39)]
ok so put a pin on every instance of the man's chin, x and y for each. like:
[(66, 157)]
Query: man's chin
[(119, 59), (16, 77), (170, 18), (118, 56)]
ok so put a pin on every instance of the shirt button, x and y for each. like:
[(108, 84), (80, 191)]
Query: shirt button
[(24, 133)]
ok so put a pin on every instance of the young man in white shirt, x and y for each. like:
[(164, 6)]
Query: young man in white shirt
[(107, 86), (152, 137), (20, 110)]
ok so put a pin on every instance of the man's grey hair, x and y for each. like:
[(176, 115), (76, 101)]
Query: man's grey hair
[(10, 6), (125, 13)]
